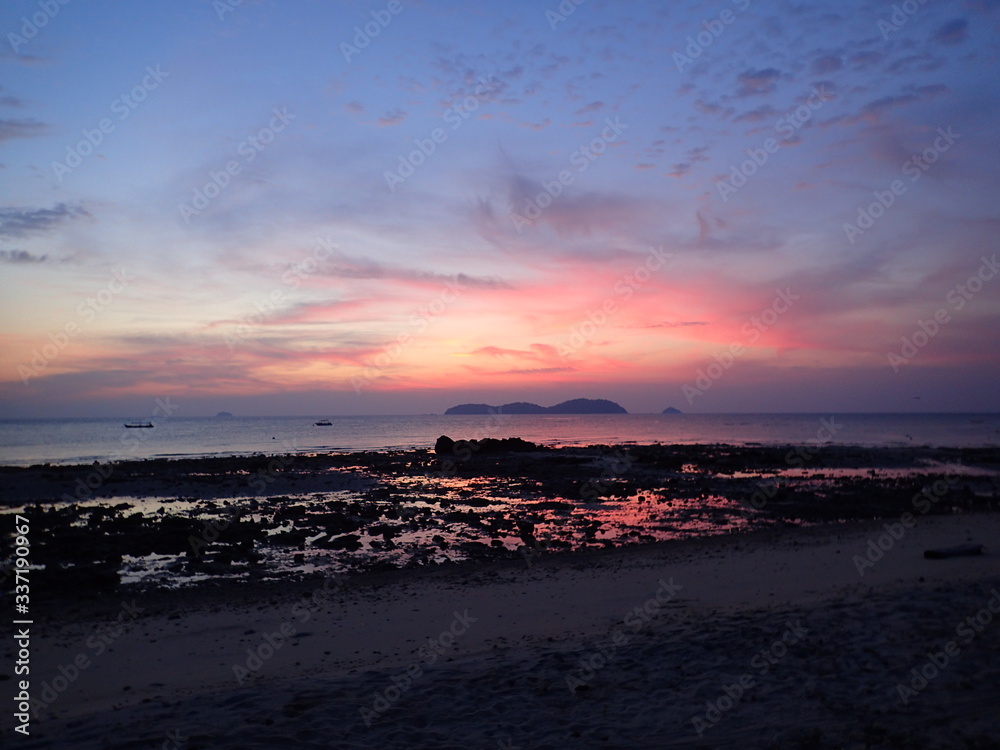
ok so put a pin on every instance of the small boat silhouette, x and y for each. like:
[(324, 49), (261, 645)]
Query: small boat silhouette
[(137, 425), (323, 423)]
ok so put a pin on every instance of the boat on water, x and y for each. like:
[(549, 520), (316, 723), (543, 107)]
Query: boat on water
[(323, 423), (138, 425)]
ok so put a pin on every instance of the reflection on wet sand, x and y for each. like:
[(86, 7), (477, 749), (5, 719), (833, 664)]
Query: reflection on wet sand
[(175, 523)]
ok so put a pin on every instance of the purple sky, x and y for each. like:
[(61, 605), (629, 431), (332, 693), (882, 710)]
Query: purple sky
[(363, 208)]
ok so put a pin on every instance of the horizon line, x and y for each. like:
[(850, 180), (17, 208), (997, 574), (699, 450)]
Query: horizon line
[(324, 415)]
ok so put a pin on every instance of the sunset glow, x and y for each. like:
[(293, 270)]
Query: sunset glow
[(748, 206)]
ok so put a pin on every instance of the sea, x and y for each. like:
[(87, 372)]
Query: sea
[(25, 442)]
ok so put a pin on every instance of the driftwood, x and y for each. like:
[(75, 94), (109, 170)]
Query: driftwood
[(962, 550)]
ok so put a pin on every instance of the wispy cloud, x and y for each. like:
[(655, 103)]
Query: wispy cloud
[(953, 32), (12, 129), (21, 256), (344, 266), (394, 117), (22, 222), (758, 82)]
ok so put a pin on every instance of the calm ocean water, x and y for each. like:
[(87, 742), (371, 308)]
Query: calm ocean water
[(25, 442)]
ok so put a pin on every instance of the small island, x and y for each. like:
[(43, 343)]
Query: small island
[(573, 406), (224, 415), (671, 410)]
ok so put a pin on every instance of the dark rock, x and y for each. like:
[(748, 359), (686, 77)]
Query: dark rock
[(444, 446), (494, 446), (463, 450), (78, 578), (462, 516), (342, 524), (474, 547), (962, 550)]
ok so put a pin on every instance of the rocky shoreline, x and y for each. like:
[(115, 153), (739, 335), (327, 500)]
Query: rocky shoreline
[(185, 521)]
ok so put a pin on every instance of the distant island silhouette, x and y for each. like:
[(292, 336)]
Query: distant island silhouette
[(573, 406), (672, 410)]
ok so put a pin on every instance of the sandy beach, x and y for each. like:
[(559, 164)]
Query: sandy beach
[(767, 639)]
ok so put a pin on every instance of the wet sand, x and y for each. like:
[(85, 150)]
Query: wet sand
[(623, 648)]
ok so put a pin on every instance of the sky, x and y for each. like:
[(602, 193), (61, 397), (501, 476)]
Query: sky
[(305, 207)]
